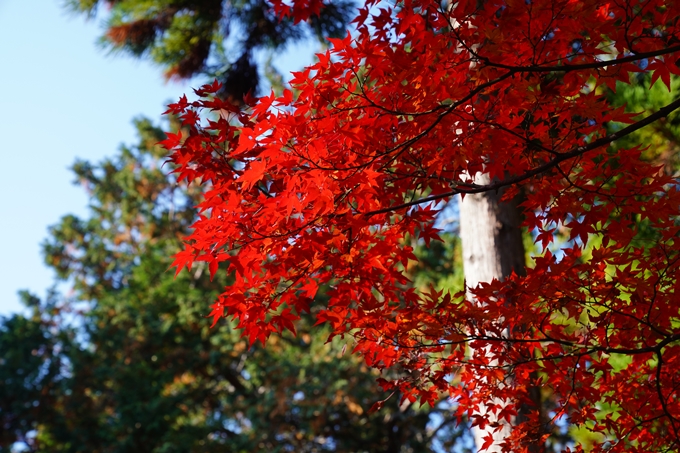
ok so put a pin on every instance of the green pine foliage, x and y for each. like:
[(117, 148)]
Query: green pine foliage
[(214, 38), (33, 357)]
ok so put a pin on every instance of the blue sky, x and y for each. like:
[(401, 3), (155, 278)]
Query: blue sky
[(62, 97)]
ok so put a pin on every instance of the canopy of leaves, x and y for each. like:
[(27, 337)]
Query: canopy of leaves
[(327, 189), (140, 370)]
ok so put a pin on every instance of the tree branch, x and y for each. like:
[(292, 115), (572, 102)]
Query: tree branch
[(579, 67), (474, 188)]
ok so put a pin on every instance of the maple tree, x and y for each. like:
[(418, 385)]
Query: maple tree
[(125, 362), (325, 189)]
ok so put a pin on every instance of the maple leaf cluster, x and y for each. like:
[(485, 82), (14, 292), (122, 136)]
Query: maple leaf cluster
[(299, 10), (324, 190)]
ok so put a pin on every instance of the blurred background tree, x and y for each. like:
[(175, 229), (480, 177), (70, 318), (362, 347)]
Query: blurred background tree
[(212, 38), (33, 359)]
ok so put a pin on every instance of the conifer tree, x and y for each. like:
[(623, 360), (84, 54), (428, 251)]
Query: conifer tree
[(210, 38)]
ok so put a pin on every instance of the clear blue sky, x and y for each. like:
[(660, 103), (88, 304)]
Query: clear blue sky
[(62, 97)]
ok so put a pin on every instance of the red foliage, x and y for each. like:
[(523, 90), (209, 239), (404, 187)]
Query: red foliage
[(299, 10), (323, 190)]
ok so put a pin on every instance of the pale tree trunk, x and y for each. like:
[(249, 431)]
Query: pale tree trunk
[(492, 248)]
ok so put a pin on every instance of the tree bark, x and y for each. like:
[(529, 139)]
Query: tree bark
[(492, 246)]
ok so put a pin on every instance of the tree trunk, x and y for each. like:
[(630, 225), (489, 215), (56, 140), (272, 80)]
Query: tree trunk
[(492, 248)]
